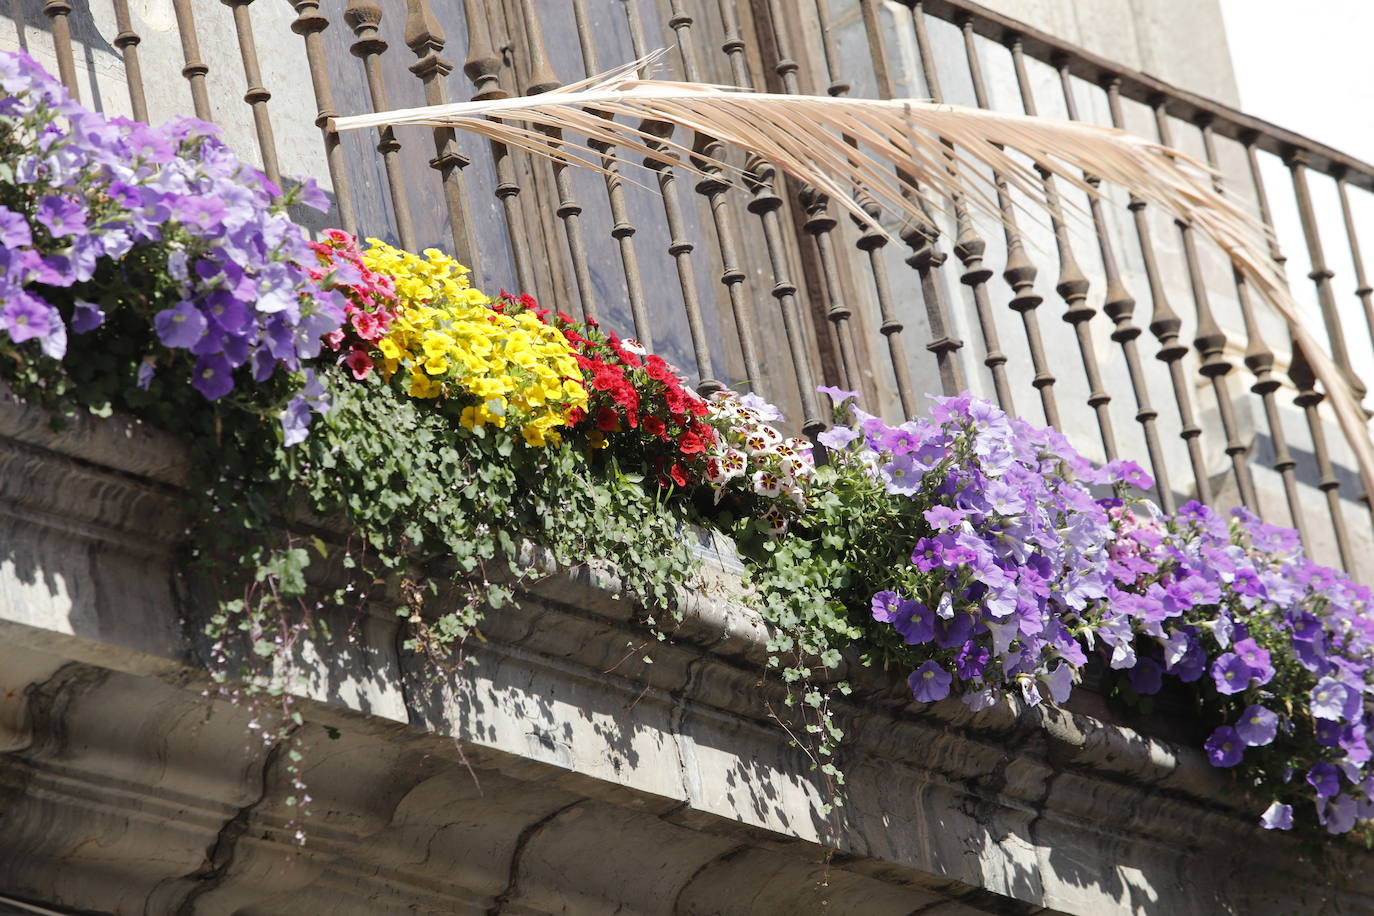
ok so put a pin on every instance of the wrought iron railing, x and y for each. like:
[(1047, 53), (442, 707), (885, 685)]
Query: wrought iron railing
[(768, 287)]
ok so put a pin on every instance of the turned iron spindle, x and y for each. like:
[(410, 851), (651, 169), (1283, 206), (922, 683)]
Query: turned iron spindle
[(1020, 273), (1120, 308), (1165, 323), (764, 202), (308, 24), (918, 234), (969, 247), (1301, 375), (127, 41), (1363, 290), (1073, 284), (1210, 342), (1309, 399), (1321, 274), (482, 67), (713, 186), (541, 78), (426, 39), (819, 222), (364, 17), (1259, 359), (256, 95), (680, 246), (622, 229), (58, 13), (194, 69)]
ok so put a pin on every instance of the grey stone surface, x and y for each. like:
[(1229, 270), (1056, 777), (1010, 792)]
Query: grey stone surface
[(1179, 41), (555, 775)]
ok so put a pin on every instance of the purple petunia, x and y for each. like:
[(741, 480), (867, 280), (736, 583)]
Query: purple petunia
[(1328, 699), (181, 326), (26, 316), (915, 623), (99, 189), (61, 216), (838, 395), (213, 376), (885, 606), (1230, 674), (837, 437), (1277, 816), (1224, 747), (86, 316), (943, 518), (929, 682), (1325, 779), (1257, 726), (14, 229)]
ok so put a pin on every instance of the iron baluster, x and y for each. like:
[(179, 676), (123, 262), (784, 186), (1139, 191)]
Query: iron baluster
[(1020, 272), (425, 37), (1165, 325), (1072, 285), (195, 69), (481, 67), (1210, 342), (968, 245), (257, 95), (713, 187), (58, 12), (127, 41), (1120, 307), (308, 24), (363, 17), (819, 223), (542, 79)]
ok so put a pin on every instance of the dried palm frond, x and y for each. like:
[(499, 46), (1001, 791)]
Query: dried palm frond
[(905, 154)]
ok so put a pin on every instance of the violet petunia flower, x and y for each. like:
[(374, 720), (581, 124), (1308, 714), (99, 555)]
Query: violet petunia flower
[(1324, 778), (929, 682), (838, 395), (14, 229), (213, 376), (181, 326), (1329, 699), (885, 606), (86, 316), (1277, 816), (915, 622), (1257, 726), (1230, 673), (1256, 658), (1338, 815), (1224, 747), (26, 316), (943, 518), (61, 216), (837, 438)]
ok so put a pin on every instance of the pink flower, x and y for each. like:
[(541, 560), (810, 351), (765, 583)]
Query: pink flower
[(367, 326), (359, 362)]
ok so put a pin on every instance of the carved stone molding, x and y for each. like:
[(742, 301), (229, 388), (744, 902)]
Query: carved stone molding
[(555, 775)]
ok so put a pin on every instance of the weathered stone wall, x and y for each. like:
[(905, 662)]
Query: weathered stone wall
[(556, 774)]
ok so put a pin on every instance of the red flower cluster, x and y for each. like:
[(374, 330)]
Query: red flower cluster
[(636, 395), (371, 299)]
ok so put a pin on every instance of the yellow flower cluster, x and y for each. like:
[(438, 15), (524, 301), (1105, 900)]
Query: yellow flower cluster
[(451, 342)]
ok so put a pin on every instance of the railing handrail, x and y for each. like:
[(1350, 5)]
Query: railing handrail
[(1141, 87)]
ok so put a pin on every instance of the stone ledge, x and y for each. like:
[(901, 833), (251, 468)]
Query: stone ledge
[(556, 774)]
